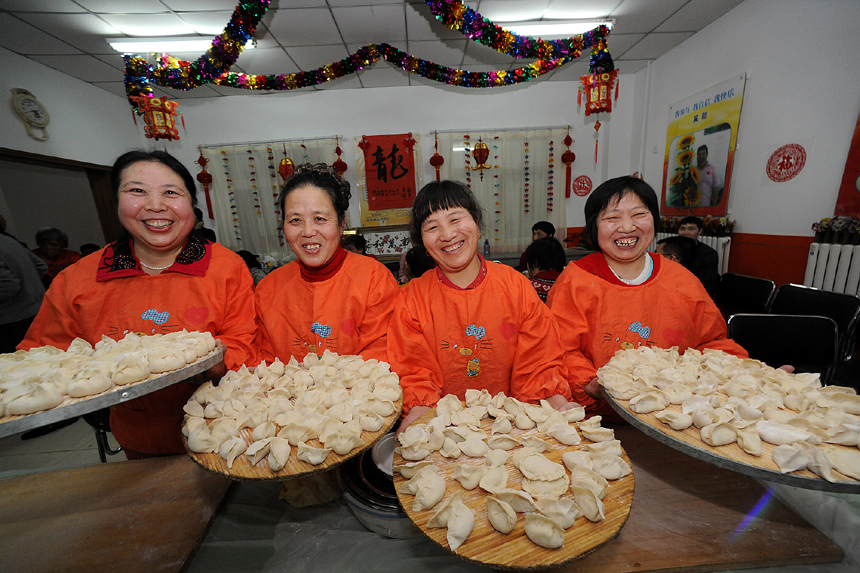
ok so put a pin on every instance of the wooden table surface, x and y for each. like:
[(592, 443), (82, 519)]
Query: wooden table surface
[(144, 515), (688, 515)]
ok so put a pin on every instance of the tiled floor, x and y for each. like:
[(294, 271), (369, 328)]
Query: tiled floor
[(72, 446)]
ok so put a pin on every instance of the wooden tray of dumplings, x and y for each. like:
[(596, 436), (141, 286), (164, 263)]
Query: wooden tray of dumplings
[(243, 469), (515, 551), (72, 407), (731, 456)]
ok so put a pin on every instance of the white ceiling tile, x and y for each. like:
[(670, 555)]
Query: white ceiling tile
[(197, 5), (618, 44), (206, 23), (116, 88), (113, 60), (349, 82), (374, 24), (634, 16), (40, 6), (123, 6), (696, 15), (569, 72), (421, 24), (630, 66), (149, 24), (87, 32), (445, 53), (84, 67), (23, 38), (655, 45), (506, 11), (479, 54), (211, 89), (313, 57), (341, 3), (383, 75), (304, 27), (266, 62)]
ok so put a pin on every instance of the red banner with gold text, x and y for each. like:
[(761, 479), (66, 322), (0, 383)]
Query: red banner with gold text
[(390, 170)]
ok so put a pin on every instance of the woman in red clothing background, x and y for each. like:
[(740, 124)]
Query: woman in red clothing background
[(469, 323), (327, 299), (158, 277), (624, 297), (52, 249)]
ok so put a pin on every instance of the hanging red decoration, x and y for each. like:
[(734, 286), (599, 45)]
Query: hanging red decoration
[(340, 165), (158, 113), (568, 157), (205, 179), (286, 168), (596, 139), (437, 160), (598, 93), (481, 153)]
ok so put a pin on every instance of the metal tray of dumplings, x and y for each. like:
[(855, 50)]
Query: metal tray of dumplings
[(72, 407)]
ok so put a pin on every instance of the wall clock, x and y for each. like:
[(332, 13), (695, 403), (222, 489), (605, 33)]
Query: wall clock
[(32, 112)]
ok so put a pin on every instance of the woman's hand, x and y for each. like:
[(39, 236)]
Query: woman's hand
[(593, 389), (560, 403), (415, 413), (787, 367)]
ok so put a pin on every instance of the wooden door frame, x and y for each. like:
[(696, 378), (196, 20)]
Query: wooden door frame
[(97, 175)]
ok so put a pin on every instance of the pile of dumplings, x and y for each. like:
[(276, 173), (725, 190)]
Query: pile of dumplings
[(330, 400), (44, 377), (456, 431), (731, 400)]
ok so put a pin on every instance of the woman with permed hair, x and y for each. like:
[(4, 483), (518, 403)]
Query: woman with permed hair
[(469, 323), (327, 299), (624, 297)]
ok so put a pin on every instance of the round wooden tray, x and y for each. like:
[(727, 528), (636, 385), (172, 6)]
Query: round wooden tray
[(243, 469), (731, 456), (515, 551), (72, 407)]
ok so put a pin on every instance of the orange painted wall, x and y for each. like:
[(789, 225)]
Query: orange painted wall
[(780, 258)]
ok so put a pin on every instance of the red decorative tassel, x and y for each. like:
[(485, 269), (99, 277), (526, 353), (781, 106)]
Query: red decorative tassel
[(182, 117), (579, 97), (134, 117), (596, 139), (616, 89)]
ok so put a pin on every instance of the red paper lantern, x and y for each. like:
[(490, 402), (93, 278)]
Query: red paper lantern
[(598, 91), (205, 179), (158, 113)]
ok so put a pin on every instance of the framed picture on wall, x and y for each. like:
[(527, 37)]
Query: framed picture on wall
[(700, 148)]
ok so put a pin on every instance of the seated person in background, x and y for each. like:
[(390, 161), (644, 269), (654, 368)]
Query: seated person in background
[(546, 260), (418, 262), (89, 249), (200, 227), (356, 244), (623, 297), (540, 230), (52, 249), (257, 272), (706, 263), (470, 323), (682, 250)]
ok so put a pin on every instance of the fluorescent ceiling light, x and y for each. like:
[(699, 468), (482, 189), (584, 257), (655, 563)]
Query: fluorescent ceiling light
[(555, 28), (168, 44)]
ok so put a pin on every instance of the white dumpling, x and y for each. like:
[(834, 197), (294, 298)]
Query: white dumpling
[(520, 501), (719, 434), (165, 360), (582, 476), (609, 466), (430, 487), (502, 442), (844, 461), (371, 422), (817, 462), (496, 458), (193, 408), (474, 448), (264, 430), (89, 383), (501, 515), (414, 453), (590, 505), (495, 480), (34, 398), (552, 488), (312, 455), (232, 448), (257, 451), (279, 453), (296, 433), (674, 419), (535, 443), (608, 447), (501, 425), (343, 442), (461, 521), (469, 476), (129, 368), (523, 421), (478, 397), (538, 467), (578, 458), (440, 518), (202, 442), (649, 401), (782, 434), (789, 457), (450, 449), (575, 414), (563, 510), (544, 531), (565, 434), (749, 440), (408, 470)]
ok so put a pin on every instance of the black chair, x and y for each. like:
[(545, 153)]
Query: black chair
[(100, 421), (809, 343), (740, 293), (844, 309)]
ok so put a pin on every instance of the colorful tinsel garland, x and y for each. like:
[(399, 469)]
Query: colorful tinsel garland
[(213, 66)]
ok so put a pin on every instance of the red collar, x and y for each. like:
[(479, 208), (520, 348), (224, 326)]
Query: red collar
[(596, 264), (118, 260), (482, 273), (326, 270)]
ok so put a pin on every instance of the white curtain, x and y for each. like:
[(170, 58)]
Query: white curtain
[(245, 187), (523, 184)]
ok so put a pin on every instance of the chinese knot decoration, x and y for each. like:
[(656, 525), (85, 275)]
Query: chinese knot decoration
[(567, 158), (481, 153), (339, 165), (158, 113), (598, 93), (437, 160), (205, 179)]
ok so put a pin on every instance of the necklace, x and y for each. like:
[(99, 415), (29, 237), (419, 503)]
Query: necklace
[(156, 268)]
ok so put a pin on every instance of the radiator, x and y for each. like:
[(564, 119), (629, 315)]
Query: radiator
[(833, 267), (719, 244)]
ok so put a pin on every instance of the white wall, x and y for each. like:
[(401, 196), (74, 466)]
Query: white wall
[(87, 123), (803, 86)]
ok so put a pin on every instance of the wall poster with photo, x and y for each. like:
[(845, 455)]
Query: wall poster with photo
[(700, 150)]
